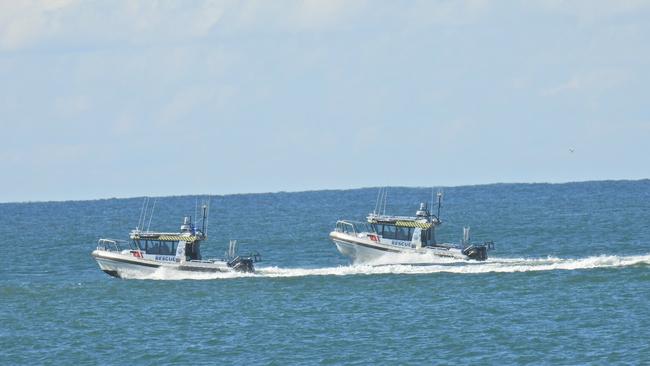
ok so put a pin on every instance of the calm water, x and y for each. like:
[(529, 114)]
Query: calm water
[(569, 283)]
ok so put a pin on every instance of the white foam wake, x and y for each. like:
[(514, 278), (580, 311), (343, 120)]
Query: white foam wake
[(493, 265)]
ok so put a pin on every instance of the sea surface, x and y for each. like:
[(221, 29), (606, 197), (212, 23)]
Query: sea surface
[(568, 283)]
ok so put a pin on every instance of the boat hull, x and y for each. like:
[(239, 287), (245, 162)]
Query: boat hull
[(124, 265), (361, 250)]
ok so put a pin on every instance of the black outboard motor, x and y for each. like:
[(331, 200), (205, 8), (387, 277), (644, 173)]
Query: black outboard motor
[(476, 252), (239, 263), (472, 251), (242, 264)]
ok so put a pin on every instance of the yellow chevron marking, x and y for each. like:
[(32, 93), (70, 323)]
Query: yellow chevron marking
[(176, 237), (170, 238), (422, 225)]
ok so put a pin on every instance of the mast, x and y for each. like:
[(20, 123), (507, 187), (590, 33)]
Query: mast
[(205, 216)]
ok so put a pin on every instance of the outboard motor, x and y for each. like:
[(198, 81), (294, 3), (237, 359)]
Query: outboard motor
[(242, 264), (475, 252), (239, 263)]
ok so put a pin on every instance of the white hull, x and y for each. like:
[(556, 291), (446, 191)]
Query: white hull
[(122, 265), (362, 250)]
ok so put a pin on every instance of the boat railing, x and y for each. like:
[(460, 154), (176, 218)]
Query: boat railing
[(352, 227), (381, 218), (111, 245)]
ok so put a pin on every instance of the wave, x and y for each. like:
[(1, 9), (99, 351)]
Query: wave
[(438, 265)]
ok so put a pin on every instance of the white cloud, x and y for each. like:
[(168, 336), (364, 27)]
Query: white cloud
[(24, 21), (445, 12), (23, 24), (574, 83), (594, 81), (589, 11), (72, 105), (313, 14), (29, 23)]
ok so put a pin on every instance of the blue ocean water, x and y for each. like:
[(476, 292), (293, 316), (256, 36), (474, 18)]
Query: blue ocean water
[(569, 283)]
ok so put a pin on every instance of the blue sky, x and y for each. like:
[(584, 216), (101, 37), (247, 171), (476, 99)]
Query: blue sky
[(117, 99)]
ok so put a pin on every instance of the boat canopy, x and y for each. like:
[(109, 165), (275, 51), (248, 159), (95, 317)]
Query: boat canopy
[(402, 222), (165, 237)]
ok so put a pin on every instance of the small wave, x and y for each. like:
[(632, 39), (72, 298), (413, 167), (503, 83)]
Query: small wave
[(493, 265)]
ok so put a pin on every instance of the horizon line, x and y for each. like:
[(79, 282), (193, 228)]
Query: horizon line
[(324, 189)]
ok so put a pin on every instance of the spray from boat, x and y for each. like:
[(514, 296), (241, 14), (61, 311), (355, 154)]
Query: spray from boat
[(442, 266)]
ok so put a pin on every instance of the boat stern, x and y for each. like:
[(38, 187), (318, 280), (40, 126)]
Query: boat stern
[(478, 252)]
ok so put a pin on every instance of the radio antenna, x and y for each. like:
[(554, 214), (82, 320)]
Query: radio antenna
[(378, 200), (137, 227), (143, 213), (151, 216), (206, 211), (196, 208), (207, 221)]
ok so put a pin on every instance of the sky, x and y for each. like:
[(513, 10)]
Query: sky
[(103, 99)]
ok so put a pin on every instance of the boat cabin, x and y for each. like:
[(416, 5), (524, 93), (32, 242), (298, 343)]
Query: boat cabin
[(420, 228), (404, 230), (186, 243)]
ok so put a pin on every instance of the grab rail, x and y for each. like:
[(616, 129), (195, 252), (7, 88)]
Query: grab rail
[(353, 227), (110, 244)]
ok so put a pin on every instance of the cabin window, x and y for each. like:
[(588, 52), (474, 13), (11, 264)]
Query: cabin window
[(403, 233), (388, 232), (192, 251), (158, 247), (164, 248), (427, 237), (152, 247)]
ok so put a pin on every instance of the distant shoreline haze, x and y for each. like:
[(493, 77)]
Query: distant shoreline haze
[(435, 188)]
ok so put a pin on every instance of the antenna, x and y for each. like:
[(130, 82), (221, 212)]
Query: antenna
[(439, 203), (207, 221), (150, 217), (378, 200), (206, 210), (196, 207), (146, 208), (143, 213), (385, 199), (141, 210), (465, 235), (232, 248)]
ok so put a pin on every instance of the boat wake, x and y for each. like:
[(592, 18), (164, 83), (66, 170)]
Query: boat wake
[(440, 265)]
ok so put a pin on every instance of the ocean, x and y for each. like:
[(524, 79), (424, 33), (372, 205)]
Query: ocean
[(568, 283)]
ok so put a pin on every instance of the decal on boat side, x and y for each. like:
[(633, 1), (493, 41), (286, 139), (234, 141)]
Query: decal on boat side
[(399, 243), (166, 258)]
